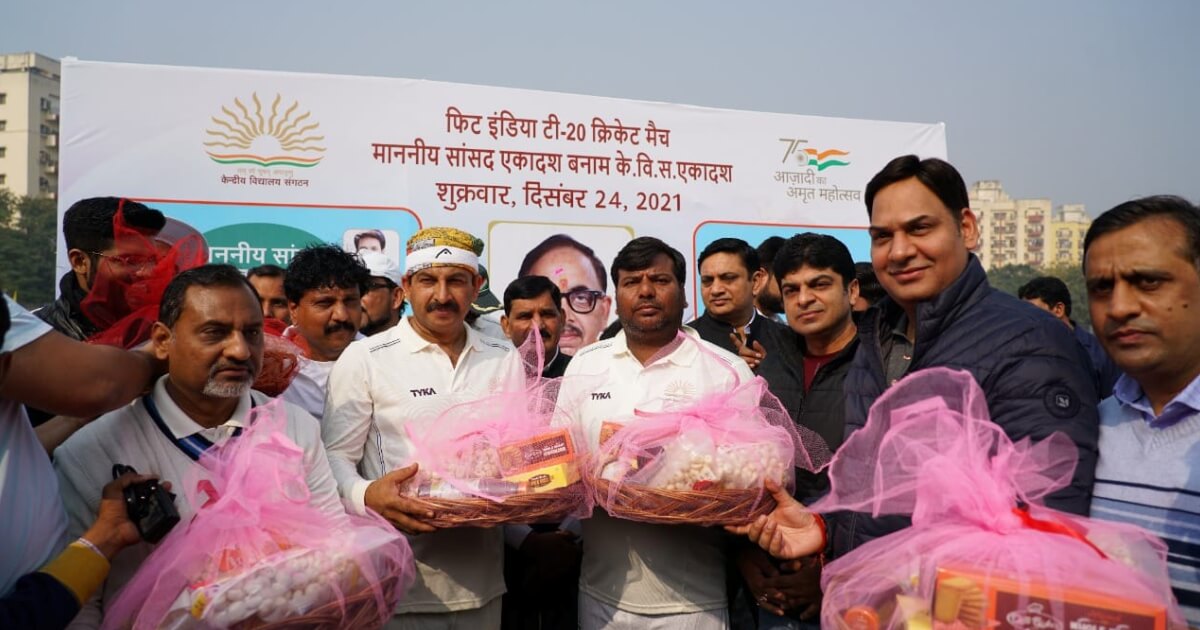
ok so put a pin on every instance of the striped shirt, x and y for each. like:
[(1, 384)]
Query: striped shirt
[(1149, 475)]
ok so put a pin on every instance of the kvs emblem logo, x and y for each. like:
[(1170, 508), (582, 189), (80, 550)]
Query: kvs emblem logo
[(264, 139)]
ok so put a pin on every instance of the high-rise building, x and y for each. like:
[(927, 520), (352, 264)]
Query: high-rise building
[(1025, 231), (1067, 229), (29, 97)]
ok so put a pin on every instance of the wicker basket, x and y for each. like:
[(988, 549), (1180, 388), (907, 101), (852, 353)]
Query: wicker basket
[(683, 507), (534, 507), (361, 610)]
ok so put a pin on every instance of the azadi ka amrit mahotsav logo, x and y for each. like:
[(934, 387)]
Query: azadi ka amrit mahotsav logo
[(273, 136)]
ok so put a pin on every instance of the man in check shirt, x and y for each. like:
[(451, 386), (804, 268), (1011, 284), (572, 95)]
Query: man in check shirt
[(383, 386), (637, 575)]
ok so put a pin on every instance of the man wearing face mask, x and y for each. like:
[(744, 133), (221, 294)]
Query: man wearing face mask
[(393, 382), (210, 333), (324, 287)]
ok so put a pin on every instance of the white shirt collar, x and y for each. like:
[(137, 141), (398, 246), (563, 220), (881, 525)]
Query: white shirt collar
[(181, 424), (416, 343), (683, 355)]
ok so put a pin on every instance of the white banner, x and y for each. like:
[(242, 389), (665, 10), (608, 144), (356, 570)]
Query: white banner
[(264, 163)]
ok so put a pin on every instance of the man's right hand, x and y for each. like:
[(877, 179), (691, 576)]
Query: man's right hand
[(752, 353), (384, 496)]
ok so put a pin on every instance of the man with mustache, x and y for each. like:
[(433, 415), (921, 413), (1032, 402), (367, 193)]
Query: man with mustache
[(324, 287), (638, 575), (388, 387), (730, 277), (941, 311), (541, 565), (579, 275), (210, 333), (383, 301), (533, 304), (1141, 261)]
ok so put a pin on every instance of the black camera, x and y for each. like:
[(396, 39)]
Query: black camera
[(149, 505)]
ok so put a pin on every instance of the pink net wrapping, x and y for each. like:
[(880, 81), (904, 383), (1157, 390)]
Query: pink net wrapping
[(281, 359), (705, 463), (257, 554), (972, 559), (501, 458), (123, 302)]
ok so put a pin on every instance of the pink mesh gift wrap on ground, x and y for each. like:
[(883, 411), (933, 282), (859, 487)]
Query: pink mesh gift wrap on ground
[(501, 459), (703, 463), (981, 551), (257, 555)]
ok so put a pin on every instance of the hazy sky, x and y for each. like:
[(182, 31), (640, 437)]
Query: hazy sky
[(1076, 100)]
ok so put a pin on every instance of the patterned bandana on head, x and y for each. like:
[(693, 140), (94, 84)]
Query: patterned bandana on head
[(441, 247)]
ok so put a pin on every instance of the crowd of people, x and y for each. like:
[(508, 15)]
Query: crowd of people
[(385, 346)]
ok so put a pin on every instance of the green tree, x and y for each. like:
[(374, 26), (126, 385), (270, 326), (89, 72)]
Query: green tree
[(27, 247), (1009, 279)]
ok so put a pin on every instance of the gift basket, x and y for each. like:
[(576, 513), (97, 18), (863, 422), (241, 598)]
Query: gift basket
[(281, 359), (501, 458), (123, 303), (258, 555), (703, 463), (981, 551)]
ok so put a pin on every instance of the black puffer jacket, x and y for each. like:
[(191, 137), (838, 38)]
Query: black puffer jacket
[(1036, 380), (822, 408), (63, 314)]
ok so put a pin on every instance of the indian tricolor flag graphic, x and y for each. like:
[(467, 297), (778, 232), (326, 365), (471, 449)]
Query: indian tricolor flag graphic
[(823, 159), (266, 139)]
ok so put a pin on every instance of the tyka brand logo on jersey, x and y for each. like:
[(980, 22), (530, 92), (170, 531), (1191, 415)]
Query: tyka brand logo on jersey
[(422, 391), (601, 396)]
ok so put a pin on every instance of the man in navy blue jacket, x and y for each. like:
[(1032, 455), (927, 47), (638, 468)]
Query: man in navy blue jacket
[(941, 311)]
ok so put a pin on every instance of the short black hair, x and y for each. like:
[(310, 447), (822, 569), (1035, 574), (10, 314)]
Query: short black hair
[(767, 250), (939, 176), (171, 306), (819, 251), (640, 253), (375, 234), (528, 288), (266, 271), (1158, 206), (320, 266), (735, 246), (1048, 289), (558, 241), (88, 223), (868, 285)]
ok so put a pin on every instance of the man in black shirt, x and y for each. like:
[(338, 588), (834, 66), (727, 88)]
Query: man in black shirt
[(730, 277)]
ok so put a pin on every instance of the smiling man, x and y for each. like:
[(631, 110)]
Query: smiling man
[(1142, 266), (941, 311), (324, 287), (382, 391), (579, 275)]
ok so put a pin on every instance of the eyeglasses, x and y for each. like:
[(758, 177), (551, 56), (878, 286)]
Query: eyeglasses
[(135, 261), (582, 301)]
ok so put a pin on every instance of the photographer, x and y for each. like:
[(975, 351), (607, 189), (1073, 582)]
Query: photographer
[(32, 518)]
